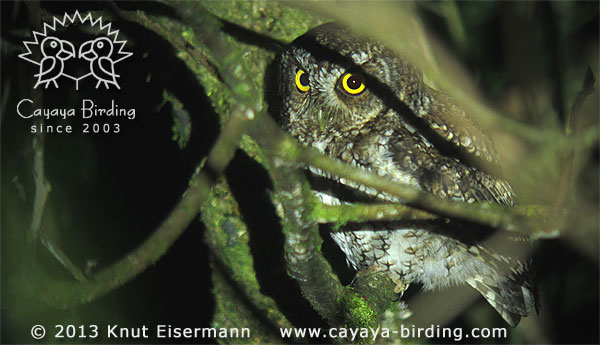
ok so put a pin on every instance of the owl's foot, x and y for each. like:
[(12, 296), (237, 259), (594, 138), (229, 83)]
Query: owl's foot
[(401, 284)]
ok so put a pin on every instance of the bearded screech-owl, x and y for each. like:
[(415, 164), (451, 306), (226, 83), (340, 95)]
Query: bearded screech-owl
[(357, 101)]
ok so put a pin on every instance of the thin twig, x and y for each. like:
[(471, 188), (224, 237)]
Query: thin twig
[(62, 258), (571, 129), (228, 141), (341, 214), (42, 186)]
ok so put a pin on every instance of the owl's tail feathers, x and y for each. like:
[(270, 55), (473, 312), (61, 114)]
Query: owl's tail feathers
[(512, 296)]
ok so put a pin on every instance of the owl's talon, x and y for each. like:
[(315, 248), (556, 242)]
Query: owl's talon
[(400, 285)]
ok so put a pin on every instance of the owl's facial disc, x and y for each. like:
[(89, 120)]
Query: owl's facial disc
[(326, 93)]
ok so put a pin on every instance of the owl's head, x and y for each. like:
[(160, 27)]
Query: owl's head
[(331, 81), (326, 81)]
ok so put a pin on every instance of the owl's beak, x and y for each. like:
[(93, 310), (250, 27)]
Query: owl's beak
[(321, 120)]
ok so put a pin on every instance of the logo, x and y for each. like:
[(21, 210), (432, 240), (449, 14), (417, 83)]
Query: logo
[(100, 54)]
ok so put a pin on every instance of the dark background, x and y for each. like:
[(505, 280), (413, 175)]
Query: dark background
[(109, 191)]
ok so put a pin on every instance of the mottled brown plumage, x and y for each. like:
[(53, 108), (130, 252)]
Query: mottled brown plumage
[(357, 101)]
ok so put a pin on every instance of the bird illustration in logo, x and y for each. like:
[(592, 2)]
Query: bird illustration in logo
[(98, 52), (55, 52)]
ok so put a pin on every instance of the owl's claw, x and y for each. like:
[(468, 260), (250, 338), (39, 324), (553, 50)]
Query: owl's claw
[(400, 284)]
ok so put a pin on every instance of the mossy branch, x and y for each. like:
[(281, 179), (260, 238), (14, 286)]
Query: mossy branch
[(345, 213), (305, 263)]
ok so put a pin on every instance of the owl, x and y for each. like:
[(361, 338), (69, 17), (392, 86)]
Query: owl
[(355, 100)]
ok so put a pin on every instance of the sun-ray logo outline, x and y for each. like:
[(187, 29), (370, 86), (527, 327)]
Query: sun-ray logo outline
[(56, 52)]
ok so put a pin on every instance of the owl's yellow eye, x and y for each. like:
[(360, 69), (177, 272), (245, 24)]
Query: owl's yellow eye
[(353, 83), (302, 81)]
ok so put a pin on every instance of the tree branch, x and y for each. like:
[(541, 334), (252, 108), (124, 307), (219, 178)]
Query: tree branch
[(305, 262), (42, 186), (345, 213), (571, 130), (62, 257)]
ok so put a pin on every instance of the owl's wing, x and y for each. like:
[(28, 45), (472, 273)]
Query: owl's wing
[(465, 183), (513, 292), (494, 189), (438, 117), (450, 121), (439, 173)]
